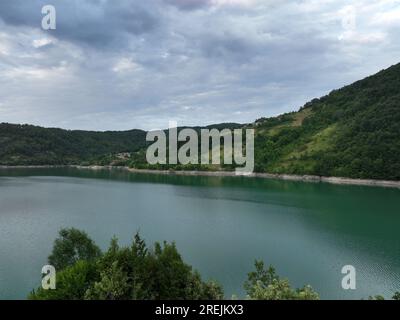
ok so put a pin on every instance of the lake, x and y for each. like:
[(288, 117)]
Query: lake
[(307, 231)]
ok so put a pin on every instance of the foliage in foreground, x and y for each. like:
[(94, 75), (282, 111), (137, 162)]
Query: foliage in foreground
[(140, 272), (265, 284), (72, 246), (121, 273), (396, 297)]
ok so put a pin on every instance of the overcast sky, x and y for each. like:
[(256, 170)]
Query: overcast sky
[(118, 64)]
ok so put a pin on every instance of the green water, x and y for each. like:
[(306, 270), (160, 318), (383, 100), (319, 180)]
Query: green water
[(308, 231)]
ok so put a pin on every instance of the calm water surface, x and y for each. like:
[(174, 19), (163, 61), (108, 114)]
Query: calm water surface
[(220, 225)]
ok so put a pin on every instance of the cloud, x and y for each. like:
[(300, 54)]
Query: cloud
[(137, 64), (391, 18), (201, 4), (124, 65), (39, 43), (91, 22), (189, 4)]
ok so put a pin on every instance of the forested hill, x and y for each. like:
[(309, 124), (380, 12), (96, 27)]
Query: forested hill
[(32, 145), (352, 132)]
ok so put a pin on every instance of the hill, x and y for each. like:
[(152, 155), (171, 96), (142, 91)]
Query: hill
[(351, 132), (32, 145)]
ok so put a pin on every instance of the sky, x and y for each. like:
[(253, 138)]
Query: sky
[(119, 64)]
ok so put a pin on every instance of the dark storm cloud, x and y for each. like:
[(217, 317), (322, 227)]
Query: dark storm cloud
[(92, 22), (188, 4), (228, 48)]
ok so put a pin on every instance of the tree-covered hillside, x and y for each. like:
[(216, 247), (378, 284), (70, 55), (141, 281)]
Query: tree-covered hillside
[(32, 145), (352, 132)]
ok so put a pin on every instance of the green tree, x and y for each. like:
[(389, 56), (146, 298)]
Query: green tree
[(261, 277), (113, 285), (133, 272), (377, 297), (265, 284), (196, 289), (71, 246), (71, 283)]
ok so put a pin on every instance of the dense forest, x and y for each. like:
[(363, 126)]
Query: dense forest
[(351, 132), (32, 145)]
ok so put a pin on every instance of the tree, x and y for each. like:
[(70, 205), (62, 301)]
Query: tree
[(260, 278), (396, 296), (113, 285), (199, 290), (72, 283), (265, 284), (137, 272), (71, 246), (133, 272), (377, 297)]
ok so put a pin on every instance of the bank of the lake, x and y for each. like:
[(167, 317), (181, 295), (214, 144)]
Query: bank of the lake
[(289, 177)]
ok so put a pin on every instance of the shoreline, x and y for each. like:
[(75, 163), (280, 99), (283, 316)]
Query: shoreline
[(285, 177)]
